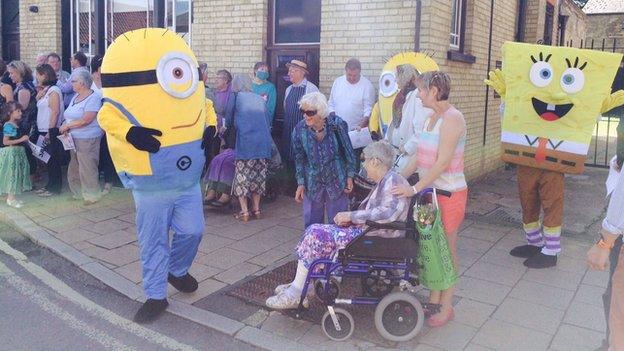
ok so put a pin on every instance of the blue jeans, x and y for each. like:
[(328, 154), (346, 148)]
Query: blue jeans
[(158, 211), (314, 211)]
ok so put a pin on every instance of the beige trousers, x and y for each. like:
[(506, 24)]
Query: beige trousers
[(82, 172), (616, 315)]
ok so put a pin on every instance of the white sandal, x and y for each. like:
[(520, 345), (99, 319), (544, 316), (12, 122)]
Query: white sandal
[(15, 203)]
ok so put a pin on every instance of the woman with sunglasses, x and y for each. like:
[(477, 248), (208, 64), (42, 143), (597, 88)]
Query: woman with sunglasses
[(324, 161)]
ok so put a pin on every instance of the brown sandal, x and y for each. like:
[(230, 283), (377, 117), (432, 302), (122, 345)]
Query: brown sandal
[(242, 216), (257, 214)]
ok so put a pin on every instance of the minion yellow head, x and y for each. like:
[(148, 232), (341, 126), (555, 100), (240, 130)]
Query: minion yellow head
[(554, 94), (154, 74), (388, 87)]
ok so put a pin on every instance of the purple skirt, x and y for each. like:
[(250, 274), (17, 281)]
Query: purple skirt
[(221, 171)]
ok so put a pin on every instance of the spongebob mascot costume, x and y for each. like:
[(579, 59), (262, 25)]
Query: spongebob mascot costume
[(382, 115), (157, 121), (552, 97)]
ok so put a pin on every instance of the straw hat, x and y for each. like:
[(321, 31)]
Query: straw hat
[(298, 64)]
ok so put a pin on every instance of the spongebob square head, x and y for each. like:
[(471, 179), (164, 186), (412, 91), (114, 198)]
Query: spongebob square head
[(553, 97)]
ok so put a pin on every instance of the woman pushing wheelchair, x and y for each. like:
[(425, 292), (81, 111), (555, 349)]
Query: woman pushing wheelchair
[(324, 240)]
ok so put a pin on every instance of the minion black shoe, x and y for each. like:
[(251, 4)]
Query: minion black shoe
[(541, 261), (150, 311), (185, 283)]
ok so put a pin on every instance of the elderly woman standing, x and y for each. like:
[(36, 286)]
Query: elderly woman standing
[(253, 146), (324, 161), (80, 122), (408, 116), (440, 163), (297, 71), (324, 240)]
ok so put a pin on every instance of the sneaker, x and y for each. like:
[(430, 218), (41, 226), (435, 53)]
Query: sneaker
[(150, 311), (185, 283), (280, 288), (541, 261), (525, 251), (15, 203), (286, 301)]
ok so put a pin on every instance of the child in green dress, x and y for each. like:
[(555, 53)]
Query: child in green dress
[(14, 168)]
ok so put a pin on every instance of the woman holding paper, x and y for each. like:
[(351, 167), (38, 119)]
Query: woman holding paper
[(408, 117), (49, 118), (80, 122)]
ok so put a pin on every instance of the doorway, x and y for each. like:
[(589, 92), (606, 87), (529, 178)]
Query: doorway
[(10, 30), (294, 33)]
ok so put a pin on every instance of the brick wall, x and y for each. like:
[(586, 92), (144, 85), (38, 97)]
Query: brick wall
[(370, 30), (576, 25), (608, 27), (39, 32), (230, 34), (468, 91)]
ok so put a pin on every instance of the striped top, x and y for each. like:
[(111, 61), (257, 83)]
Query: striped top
[(452, 179)]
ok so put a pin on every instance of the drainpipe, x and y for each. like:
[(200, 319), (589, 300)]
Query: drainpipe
[(417, 26), (489, 66)]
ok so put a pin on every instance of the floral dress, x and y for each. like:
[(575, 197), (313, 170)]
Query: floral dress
[(324, 240)]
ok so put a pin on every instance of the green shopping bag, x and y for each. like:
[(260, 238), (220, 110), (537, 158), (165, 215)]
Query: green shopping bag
[(437, 270)]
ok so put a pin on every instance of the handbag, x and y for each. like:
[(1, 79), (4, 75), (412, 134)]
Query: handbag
[(437, 269), (229, 136)]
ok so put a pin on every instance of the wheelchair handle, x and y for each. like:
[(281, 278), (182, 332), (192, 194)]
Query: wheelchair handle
[(438, 191)]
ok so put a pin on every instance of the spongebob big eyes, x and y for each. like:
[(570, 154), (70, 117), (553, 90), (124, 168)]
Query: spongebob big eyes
[(552, 97)]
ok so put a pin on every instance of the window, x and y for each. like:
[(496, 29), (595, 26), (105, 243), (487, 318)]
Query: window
[(456, 23), (178, 17), (297, 22), (458, 31), (548, 24)]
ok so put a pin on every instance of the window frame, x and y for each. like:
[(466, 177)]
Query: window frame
[(457, 52)]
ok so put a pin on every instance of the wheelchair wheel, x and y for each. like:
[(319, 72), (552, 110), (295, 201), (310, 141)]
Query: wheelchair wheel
[(345, 321), (334, 290), (378, 283), (399, 316)]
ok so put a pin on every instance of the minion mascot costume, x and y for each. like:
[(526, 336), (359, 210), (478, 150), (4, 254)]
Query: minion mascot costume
[(389, 90), (552, 97), (157, 122)]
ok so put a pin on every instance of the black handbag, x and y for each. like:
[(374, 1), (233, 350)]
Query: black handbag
[(229, 136)]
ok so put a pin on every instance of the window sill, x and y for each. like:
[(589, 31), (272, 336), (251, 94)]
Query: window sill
[(458, 56)]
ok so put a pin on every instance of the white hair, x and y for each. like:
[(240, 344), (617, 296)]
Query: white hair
[(241, 82), (84, 76), (381, 150), (316, 101)]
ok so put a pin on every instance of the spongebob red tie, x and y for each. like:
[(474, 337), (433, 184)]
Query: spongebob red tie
[(540, 155)]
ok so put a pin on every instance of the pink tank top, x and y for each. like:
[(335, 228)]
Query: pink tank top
[(452, 179)]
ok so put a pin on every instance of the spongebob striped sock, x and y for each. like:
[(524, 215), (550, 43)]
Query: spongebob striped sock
[(553, 241), (533, 234)]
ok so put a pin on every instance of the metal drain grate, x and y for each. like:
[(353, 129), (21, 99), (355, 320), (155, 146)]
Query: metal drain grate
[(503, 217)]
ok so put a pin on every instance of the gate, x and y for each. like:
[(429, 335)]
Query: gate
[(604, 140)]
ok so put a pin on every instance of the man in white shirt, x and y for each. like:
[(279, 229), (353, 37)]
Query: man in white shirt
[(352, 96)]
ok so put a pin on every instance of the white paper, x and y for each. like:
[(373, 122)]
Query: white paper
[(39, 152), (360, 138), (68, 141), (41, 142), (613, 177)]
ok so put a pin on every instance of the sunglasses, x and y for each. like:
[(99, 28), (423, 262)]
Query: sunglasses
[(309, 113)]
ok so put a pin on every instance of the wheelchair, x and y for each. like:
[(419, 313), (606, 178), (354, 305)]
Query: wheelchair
[(381, 264)]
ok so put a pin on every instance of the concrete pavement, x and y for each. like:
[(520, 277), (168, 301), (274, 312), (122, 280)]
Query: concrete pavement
[(502, 305)]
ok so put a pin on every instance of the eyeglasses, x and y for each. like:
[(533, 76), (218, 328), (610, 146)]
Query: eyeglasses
[(309, 113)]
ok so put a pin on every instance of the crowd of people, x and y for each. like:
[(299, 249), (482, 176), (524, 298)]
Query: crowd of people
[(423, 147)]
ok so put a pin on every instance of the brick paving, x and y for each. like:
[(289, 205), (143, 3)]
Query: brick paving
[(501, 305)]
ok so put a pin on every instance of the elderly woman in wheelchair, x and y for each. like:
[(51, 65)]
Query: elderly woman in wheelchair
[(324, 240)]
